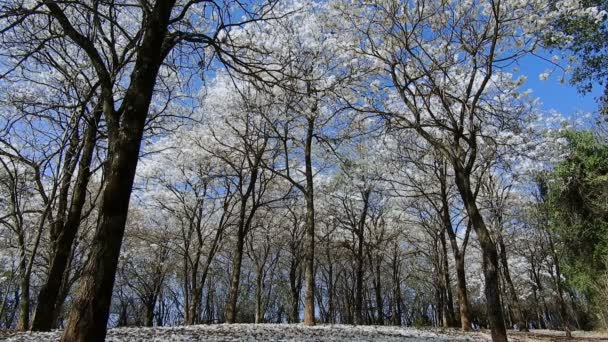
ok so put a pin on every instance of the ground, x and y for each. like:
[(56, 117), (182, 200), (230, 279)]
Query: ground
[(283, 332)]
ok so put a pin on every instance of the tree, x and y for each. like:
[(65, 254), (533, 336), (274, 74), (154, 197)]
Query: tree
[(576, 196), (423, 75), (157, 31), (315, 72), (589, 48)]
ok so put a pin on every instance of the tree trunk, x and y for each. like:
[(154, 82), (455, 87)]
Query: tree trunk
[(379, 300), (69, 165), (330, 293), (450, 320), (516, 307), (243, 228), (539, 287), (463, 299), (46, 310), (359, 280), (89, 314), (397, 314), (309, 246), (563, 309), (235, 279), (360, 230), (149, 314), (295, 283), (489, 256), (24, 301), (259, 282)]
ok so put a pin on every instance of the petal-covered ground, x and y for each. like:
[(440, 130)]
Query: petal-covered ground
[(284, 332)]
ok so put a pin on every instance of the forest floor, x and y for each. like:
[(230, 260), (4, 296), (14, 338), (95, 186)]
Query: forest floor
[(298, 332)]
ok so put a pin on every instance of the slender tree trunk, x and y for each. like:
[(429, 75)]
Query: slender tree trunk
[(295, 286), (330, 293), (194, 303), (24, 302), (359, 280), (46, 310), (209, 304), (398, 313), (235, 279), (89, 314), (489, 257), (539, 286), (360, 229), (309, 246), (463, 299), (259, 282), (243, 229), (379, 300), (516, 307), (563, 309), (69, 165), (438, 284), (449, 300)]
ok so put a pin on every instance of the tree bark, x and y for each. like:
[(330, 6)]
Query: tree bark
[(243, 229), (309, 246), (24, 299), (259, 282), (89, 314), (563, 309), (295, 285), (69, 165), (450, 320), (378, 288), (46, 310), (398, 312), (489, 256), (463, 297), (360, 229), (516, 307), (235, 279)]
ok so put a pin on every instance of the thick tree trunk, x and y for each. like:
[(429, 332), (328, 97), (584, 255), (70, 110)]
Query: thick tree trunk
[(46, 310), (149, 314), (194, 307), (309, 246), (489, 257), (89, 314)]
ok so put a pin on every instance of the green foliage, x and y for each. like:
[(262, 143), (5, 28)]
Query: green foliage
[(578, 197), (590, 46)]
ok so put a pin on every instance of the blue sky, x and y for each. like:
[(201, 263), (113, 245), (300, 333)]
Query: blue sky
[(554, 95)]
